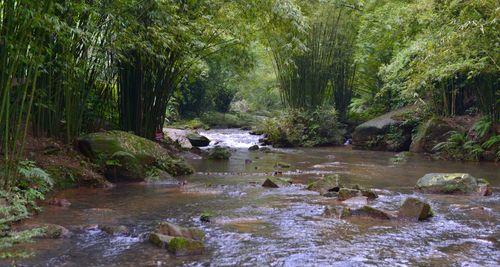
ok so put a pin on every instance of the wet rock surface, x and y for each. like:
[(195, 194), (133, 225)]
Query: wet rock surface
[(178, 240), (453, 183), (127, 157), (198, 140), (385, 133), (414, 209)]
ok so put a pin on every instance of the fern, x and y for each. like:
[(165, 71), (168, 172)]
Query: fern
[(483, 126), (491, 142)]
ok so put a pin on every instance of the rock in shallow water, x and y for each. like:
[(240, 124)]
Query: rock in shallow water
[(219, 153), (198, 140), (171, 229), (453, 183), (179, 246), (325, 184), (180, 241), (367, 211), (346, 193), (115, 229), (414, 210), (274, 182)]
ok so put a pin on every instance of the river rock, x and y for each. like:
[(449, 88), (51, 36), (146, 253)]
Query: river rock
[(346, 193), (115, 229), (253, 148), (179, 246), (388, 132), (179, 136), (369, 194), (453, 183), (170, 229), (414, 209), (127, 157), (198, 140), (366, 211), (282, 165), (325, 184), (60, 202), (53, 231), (219, 153), (275, 182)]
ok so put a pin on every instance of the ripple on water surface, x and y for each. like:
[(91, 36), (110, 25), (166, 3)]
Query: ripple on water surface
[(257, 226)]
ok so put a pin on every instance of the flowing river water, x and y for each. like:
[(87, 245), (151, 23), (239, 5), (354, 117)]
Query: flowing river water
[(256, 226)]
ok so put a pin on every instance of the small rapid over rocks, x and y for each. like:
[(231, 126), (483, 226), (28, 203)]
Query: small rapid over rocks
[(293, 224)]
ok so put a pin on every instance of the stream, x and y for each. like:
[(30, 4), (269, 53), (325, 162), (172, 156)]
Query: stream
[(256, 226)]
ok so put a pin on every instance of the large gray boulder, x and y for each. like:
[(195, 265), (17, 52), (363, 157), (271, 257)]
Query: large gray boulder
[(453, 183), (389, 132)]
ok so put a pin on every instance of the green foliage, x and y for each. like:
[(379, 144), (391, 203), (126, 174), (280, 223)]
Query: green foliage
[(324, 70), (18, 203), (480, 143), (304, 128)]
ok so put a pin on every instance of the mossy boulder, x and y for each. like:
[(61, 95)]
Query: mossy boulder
[(276, 182), (414, 209), (198, 140), (389, 132), (179, 246), (219, 153), (453, 183), (325, 184), (127, 157)]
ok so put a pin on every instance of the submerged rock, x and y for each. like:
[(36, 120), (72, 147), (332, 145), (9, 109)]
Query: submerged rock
[(198, 140), (60, 202), (254, 148), (179, 246), (219, 153), (346, 193), (325, 185), (206, 217), (170, 229), (180, 241), (127, 157), (115, 229), (366, 211), (282, 165), (453, 183), (414, 209), (275, 182), (53, 231)]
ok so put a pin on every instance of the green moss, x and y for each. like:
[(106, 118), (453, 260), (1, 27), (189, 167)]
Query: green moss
[(128, 156), (219, 153), (206, 216), (181, 246)]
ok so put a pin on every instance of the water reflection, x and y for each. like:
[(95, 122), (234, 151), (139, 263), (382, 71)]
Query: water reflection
[(281, 227)]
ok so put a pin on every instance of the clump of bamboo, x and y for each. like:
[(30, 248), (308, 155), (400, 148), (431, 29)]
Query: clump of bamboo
[(324, 71)]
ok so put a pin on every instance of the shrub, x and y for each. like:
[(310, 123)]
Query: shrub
[(304, 128)]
